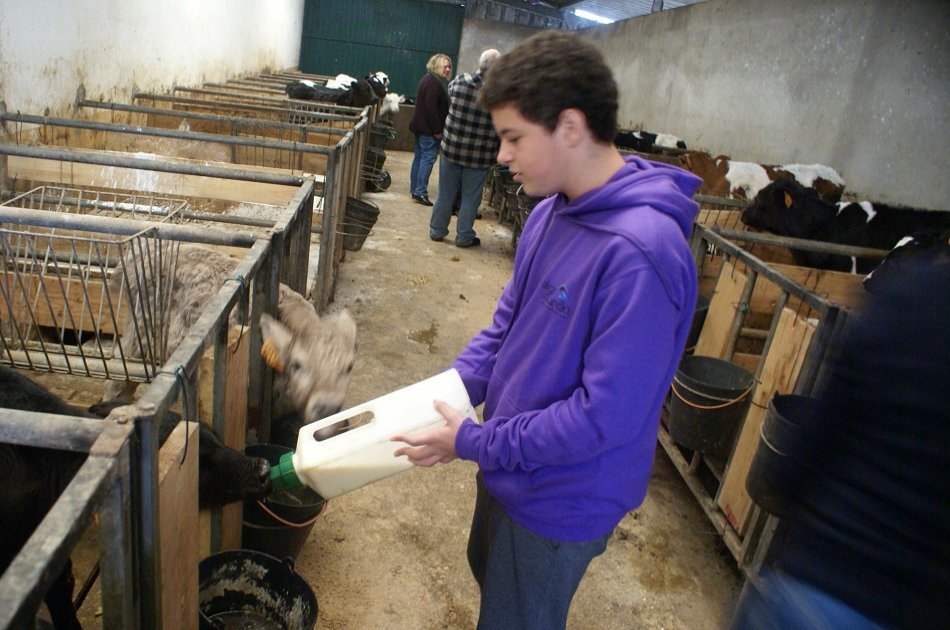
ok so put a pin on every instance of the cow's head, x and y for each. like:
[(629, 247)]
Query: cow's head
[(313, 359), (787, 208)]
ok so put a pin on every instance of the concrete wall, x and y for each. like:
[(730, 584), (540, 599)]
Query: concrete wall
[(480, 35), (49, 47), (860, 85)]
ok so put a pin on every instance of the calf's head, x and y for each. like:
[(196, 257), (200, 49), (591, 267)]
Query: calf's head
[(313, 359), (787, 208)]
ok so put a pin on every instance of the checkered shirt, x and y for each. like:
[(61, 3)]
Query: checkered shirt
[(469, 138)]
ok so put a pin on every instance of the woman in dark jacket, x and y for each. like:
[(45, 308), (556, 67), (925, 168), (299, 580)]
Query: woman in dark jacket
[(428, 120)]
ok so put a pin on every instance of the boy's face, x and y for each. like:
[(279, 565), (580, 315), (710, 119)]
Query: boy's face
[(529, 150)]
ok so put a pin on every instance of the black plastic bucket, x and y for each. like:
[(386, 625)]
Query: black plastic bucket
[(281, 527), (249, 589), (776, 469), (710, 398), (380, 134), (358, 219), (699, 318)]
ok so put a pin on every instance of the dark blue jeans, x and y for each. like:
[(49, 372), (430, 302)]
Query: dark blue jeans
[(773, 600), (453, 178), (426, 152), (527, 581)]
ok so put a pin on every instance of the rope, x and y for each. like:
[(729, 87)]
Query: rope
[(707, 407), (289, 523), (247, 308), (182, 379)]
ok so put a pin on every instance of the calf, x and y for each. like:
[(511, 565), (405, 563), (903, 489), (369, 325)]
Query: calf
[(35, 477), (390, 105), (311, 355), (725, 177), (645, 141), (787, 208)]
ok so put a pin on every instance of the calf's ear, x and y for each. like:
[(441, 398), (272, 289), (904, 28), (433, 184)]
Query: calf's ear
[(275, 334)]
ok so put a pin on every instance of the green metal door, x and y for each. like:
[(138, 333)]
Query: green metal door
[(358, 37)]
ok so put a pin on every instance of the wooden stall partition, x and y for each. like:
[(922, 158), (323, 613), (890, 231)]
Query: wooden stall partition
[(723, 310), (233, 433), (777, 321), (178, 509), (780, 371)]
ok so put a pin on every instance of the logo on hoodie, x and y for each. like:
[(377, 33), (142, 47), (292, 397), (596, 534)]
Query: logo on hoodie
[(556, 298)]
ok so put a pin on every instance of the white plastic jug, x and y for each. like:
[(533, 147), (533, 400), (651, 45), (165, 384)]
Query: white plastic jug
[(364, 454)]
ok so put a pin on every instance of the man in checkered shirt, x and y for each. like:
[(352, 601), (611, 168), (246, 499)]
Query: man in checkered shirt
[(469, 150)]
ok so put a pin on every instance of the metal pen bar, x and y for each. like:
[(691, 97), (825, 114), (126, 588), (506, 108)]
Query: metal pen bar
[(164, 133), (237, 121), (220, 104), (800, 243), (124, 161), (126, 227), (48, 430), (129, 208)]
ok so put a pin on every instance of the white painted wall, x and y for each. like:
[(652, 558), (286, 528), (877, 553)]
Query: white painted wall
[(860, 85), (49, 47)]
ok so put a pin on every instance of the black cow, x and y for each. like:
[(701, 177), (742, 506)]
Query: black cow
[(358, 94), (787, 208), (35, 477), (310, 91)]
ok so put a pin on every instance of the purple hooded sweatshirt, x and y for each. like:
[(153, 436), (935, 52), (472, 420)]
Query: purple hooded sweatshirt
[(581, 351)]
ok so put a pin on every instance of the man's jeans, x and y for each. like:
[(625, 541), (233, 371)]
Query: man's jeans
[(427, 150), (452, 178)]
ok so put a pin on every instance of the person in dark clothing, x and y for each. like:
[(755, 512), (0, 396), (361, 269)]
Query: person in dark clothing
[(868, 543), (428, 122), (469, 147)]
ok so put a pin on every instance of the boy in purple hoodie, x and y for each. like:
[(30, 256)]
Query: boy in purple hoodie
[(583, 344)]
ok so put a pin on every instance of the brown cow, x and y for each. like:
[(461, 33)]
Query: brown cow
[(724, 177)]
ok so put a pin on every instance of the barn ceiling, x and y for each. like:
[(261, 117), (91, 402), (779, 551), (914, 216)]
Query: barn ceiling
[(564, 13), (617, 10)]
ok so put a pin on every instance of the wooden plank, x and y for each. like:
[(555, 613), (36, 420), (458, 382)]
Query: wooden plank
[(714, 338), (235, 428), (77, 174), (780, 371), (843, 289), (178, 521), (54, 298)]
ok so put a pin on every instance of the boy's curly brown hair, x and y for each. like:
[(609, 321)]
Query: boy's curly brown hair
[(552, 71)]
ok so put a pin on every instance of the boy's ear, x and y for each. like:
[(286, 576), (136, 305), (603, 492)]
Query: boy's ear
[(572, 124)]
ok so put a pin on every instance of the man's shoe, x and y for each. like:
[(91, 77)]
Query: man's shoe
[(437, 239), (476, 242), (423, 199)]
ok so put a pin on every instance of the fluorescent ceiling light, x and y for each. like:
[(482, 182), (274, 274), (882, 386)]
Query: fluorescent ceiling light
[(593, 17)]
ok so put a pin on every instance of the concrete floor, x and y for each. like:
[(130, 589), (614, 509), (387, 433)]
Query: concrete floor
[(392, 554)]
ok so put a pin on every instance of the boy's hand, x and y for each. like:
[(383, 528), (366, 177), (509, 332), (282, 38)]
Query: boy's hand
[(435, 445)]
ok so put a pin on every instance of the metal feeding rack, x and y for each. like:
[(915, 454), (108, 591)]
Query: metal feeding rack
[(71, 261)]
